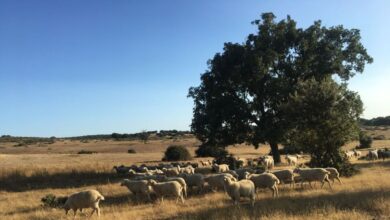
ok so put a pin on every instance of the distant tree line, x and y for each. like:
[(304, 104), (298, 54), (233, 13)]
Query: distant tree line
[(378, 121)]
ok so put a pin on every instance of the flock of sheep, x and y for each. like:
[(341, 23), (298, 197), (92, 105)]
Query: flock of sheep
[(176, 179), (371, 155)]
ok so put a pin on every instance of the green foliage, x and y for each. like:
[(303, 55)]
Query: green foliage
[(176, 153), (365, 140), (240, 94), (131, 151), (378, 121), (52, 201), (324, 116), (211, 151), (86, 152)]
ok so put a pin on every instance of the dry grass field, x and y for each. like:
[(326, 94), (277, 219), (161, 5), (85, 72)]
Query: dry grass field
[(29, 173)]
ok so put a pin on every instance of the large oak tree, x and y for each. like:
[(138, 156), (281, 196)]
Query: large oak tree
[(240, 96)]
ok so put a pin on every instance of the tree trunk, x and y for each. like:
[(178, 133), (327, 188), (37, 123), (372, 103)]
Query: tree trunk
[(275, 152)]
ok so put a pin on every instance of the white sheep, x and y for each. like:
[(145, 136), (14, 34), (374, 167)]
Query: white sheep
[(174, 171), (138, 188), (265, 180), (220, 168), (188, 169), (171, 188), (82, 200), (216, 181), (179, 180), (194, 180), (285, 176), (267, 162), (334, 174), (238, 189), (357, 153), (292, 160), (313, 174), (349, 154), (373, 155)]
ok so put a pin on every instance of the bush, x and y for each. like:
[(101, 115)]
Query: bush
[(52, 201), (86, 152), (131, 151), (176, 153), (211, 151), (365, 140)]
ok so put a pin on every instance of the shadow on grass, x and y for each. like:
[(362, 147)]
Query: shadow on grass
[(299, 206), (384, 163), (17, 181)]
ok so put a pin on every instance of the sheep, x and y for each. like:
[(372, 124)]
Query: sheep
[(135, 175), (292, 160), (285, 176), (313, 174), (204, 170), (171, 188), (174, 171), (357, 153), (265, 180), (373, 155), (194, 180), (241, 172), (383, 154), (188, 169), (216, 181), (179, 180), (138, 187), (242, 188), (220, 168), (233, 173), (84, 199), (267, 162), (121, 170), (349, 154), (334, 174)]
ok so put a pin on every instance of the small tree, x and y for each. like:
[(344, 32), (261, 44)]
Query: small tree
[(144, 136), (176, 153), (365, 140)]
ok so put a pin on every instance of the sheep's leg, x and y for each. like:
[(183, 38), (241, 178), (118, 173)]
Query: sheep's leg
[(327, 180), (182, 199), (277, 191), (98, 211), (322, 183), (339, 180), (93, 210), (310, 185)]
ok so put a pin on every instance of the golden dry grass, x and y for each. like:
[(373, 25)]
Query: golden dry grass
[(26, 177)]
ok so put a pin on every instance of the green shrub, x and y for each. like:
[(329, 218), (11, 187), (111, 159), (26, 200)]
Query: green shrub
[(211, 151), (365, 140), (131, 151), (176, 153), (86, 152)]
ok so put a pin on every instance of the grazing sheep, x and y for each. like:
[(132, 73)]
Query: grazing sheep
[(241, 172), (292, 160), (285, 176), (373, 155), (174, 171), (171, 188), (194, 180), (179, 180), (349, 154), (138, 188), (242, 188), (265, 180), (383, 154), (334, 174), (216, 181), (204, 170), (267, 162), (188, 169), (357, 153), (313, 174), (82, 200), (121, 170), (221, 168)]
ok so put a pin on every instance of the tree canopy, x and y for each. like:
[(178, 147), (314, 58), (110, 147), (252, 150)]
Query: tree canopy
[(241, 95)]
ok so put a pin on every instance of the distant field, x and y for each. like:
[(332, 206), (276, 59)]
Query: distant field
[(29, 173)]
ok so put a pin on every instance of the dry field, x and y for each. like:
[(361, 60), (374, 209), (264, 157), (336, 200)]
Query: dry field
[(29, 173)]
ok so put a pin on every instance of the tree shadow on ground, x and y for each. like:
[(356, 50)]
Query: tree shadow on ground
[(346, 201), (18, 181)]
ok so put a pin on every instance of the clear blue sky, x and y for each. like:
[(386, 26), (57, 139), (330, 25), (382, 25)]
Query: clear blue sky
[(79, 67)]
